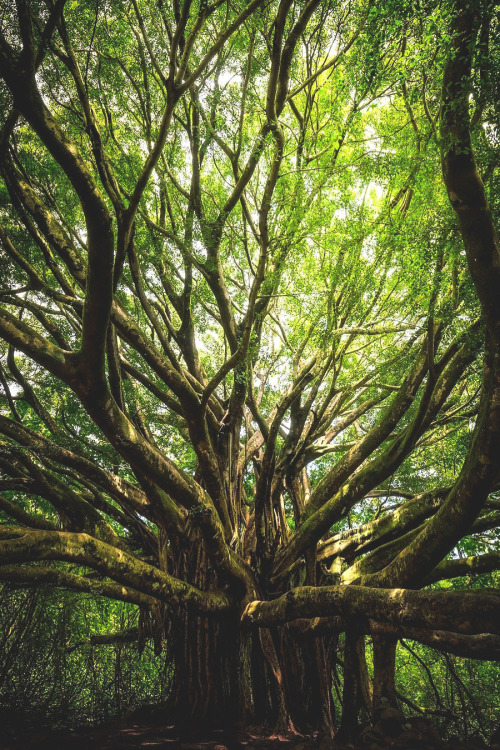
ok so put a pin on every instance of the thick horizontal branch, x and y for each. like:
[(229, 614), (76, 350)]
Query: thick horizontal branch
[(464, 566), (20, 546), (32, 575), (481, 646), (463, 612)]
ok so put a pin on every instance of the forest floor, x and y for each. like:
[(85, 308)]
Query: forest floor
[(388, 732)]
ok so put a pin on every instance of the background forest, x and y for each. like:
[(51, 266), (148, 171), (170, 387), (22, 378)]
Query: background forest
[(250, 362)]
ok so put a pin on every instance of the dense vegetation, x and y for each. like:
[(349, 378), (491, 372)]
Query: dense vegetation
[(250, 358)]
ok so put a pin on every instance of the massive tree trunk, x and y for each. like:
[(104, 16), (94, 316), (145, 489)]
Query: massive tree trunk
[(224, 675), (224, 672), (219, 672), (214, 674)]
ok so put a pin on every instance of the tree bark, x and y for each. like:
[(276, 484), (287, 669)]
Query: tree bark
[(225, 672), (356, 689), (384, 668)]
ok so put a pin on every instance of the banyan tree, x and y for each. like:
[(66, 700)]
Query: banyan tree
[(250, 335)]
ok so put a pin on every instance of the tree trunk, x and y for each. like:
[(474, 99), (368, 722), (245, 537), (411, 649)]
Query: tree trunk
[(356, 690), (308, 682), (213, 674), (384, 667), (224, 673), (212, 660)]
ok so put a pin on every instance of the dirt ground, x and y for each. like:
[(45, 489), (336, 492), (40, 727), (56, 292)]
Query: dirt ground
[(145, 736), (416, 734)]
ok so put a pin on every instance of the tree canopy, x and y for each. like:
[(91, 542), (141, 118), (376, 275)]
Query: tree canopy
[(250, 331)]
